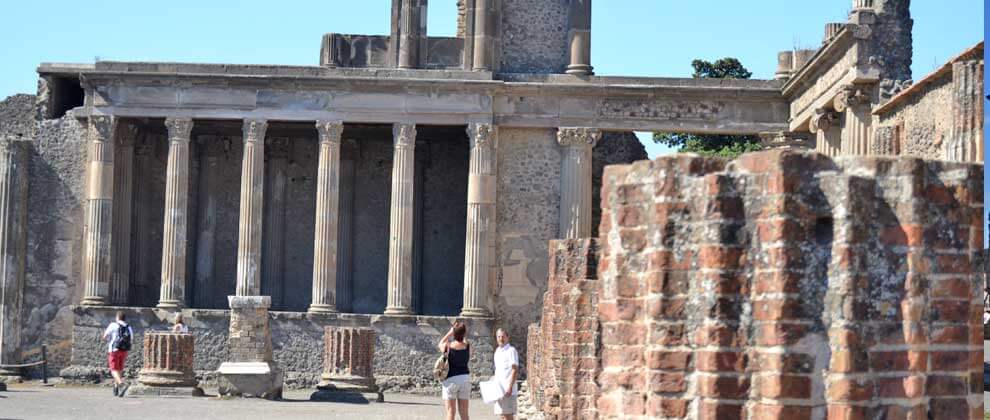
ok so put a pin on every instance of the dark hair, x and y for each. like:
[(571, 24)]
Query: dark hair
[(121, 316), (459, 331)]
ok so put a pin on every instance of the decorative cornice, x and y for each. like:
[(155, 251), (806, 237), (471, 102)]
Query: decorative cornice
[(578, 136), (330, 131), (404, 135)]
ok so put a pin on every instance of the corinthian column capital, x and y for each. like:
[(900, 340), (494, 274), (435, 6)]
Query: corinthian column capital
[(330, 131), (179, 129), (849, 96), (578, 136), (101, 127), (254, 130), (404, 135), (822, 120), (482, 135)]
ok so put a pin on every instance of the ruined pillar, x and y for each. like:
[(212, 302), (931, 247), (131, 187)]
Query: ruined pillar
[(484, 38), (168, 366), (252, 199), (209, 186), (348, 364), (13, 248), (176, 214), (250, 370), (345, 231), (123, 187), (99, 210), (575, 180), (401, 222), (826, 130), (327, 215), (966, 141), (854, 102), (479, 249), (579, 38), (412, 33), (273, 257)]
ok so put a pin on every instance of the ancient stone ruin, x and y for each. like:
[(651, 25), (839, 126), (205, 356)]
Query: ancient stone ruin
[(348, 366), (168, 366), (780, 285)]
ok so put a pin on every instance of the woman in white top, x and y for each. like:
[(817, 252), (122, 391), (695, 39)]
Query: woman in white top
[(180, 326)]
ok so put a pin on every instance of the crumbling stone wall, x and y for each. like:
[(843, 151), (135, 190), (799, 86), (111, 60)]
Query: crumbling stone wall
[(921, 125), (533, 36), (788, 285)]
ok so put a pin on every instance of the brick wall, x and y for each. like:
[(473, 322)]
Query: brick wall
[(784, 285), (563, 347)]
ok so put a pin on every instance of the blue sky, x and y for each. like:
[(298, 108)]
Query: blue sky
[(631, 37)]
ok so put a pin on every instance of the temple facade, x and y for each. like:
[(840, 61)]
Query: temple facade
[(403, 181)]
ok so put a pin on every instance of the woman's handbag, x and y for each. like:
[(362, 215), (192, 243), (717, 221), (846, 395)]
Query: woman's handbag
[(441, 367)]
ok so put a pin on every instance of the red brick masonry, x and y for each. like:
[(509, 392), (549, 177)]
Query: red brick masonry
[(780, 285)]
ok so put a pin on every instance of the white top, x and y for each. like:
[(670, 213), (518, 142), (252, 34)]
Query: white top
[(113, 331), (505, 357), (180, 328)]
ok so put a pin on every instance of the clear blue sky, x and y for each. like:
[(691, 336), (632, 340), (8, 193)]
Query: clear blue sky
[(631, 37)]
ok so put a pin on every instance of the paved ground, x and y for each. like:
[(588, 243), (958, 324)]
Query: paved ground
[(32, 401)]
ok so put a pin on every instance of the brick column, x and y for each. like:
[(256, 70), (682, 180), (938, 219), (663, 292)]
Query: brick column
[(174, 243), (273, 232), (327, 215), (123, 181), (250, 370), (168, 360), (401, 222), (14, 156), (99, 211), (252, 199), (575, 181), (479, 249)]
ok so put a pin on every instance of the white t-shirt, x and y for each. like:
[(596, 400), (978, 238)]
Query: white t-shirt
[(506, 357), (113, 330)]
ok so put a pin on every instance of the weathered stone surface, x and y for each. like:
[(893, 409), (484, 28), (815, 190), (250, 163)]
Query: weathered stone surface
[(348, 366), (534, 36), (168, 366), (249, 370)]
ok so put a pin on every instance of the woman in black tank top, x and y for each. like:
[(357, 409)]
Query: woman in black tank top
[(457, 385)]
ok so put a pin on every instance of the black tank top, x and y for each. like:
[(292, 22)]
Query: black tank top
[(458, 361)]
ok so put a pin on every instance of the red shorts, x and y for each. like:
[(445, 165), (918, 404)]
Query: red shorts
[(116, 359)]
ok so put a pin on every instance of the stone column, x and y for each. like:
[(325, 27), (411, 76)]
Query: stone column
[(99, 211), (345, 232), (123, 183), (273, 257), (479, 251), (401, 222), (212, 148), (250, 370), (417, 236), (966, 141), (327, 216), (168, 366), (412, 29), (13, 247), (827, 135), (176, 214), (579, 38), (575, 181), (348, 364), (141, 274), (252, 202), (484, 21), (854, 102)]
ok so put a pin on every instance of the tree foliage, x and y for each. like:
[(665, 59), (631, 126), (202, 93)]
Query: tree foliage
[(728, 146)]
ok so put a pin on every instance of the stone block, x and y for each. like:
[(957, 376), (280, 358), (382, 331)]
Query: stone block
[(250, 380)]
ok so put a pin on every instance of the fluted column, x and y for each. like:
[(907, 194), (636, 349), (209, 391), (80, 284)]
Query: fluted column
[(327, 215), (13, 246), (252, 206), (123, 181), (273, 256), (575, 181), (401, 222), (827, 136), (345, 235), (212, 148), (479, 251), (579, 38), (176, 214), (856, 130), (141, 273), (966, 139), (99, 211)]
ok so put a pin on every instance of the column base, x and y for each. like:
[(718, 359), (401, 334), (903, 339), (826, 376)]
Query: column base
[(398, 311), (475, 313), (169, 304), (94, 301), (580, 69), (322, 309)]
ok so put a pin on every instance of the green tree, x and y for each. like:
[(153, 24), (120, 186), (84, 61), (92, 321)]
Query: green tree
[(728, 146)]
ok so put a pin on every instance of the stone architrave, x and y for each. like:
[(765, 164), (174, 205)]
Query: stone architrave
[(174, 243), (168, 366), (99, 211), (123, 189), (325, 245), (348, 366), (251, 212), (401, 222), (575, 180), (479, 249), (13, 251), (250, 370), (273, 256)]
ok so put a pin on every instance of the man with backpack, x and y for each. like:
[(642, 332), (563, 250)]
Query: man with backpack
[(119, 335)]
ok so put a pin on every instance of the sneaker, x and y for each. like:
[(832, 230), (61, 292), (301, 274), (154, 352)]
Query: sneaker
[(123, 389), (115, 393)]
